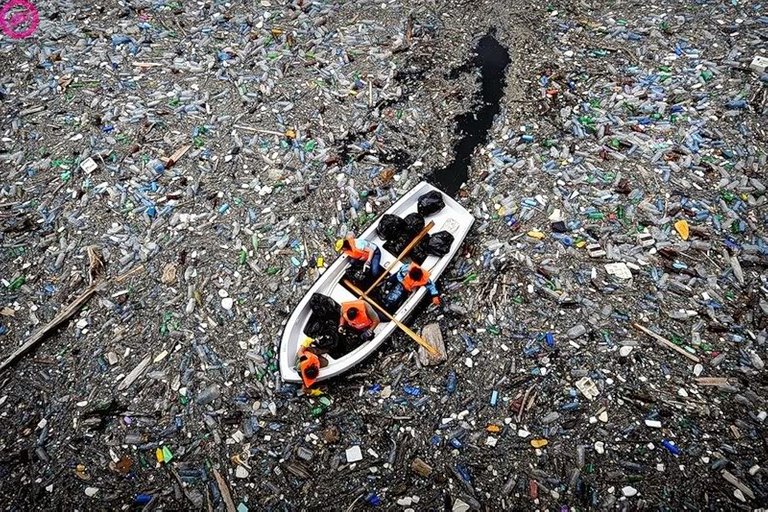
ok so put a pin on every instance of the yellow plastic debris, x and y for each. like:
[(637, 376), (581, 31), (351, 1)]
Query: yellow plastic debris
[(539, 443), (291, 134), (306, 342), (493, 428), (320, 262), (159, 454), (81, 473), (535, 233), (682, 229), (277, 32)]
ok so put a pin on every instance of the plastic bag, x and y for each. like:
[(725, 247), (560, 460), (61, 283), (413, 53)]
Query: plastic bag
[(430, 203), (324, 308), (328, 339), (324, 320), (396, 245), (358, 275), (318, 328), (390, 226), (421, 251), (414, 223), (392, 296), (380, 294), (440, 243)]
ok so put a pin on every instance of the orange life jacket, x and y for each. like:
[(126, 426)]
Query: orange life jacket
[(361, 322), (354, 252), (410, 284), (307, 361)]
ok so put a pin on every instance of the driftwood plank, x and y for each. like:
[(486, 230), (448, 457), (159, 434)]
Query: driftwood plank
[(666, 343), (224, 489), (64, 315), (432, 335)]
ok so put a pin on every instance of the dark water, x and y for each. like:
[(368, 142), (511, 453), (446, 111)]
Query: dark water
[(492, 59)]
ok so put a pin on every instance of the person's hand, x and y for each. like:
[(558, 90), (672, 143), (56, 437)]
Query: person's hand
[(436, 301), (341, 329)]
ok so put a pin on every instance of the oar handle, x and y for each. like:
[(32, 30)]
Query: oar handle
[(418, 339)]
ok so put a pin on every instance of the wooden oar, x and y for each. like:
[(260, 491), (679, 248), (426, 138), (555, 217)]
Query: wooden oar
[(418, 339), (407, 249)]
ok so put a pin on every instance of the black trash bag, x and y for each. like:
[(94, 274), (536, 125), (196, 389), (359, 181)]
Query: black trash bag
[(396, 245), (414, 223), (328, 340), (421, 251), (390, 226), (324, 307), (440, 243), (324, 320), (349, 340), (357, 274), (314, 327), (419, 254), (318, 328), (430, 203)]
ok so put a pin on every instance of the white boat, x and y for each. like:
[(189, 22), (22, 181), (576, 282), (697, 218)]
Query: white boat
[(452, 218)]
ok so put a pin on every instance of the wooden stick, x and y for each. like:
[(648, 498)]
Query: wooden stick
[(666, 343), (418, 339), (134, 270), (224, 489), (62, 317), (713, 381), (170, 162), (522, 404), (407, 249)]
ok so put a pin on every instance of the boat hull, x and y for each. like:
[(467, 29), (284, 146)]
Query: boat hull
[(453, 218)]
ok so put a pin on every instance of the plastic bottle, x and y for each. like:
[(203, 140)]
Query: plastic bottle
[(451, 383), (208, 395), (576, 331), (412, 390)]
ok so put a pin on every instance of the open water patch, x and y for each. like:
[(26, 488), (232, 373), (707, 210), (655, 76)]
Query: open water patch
[(492, 59)]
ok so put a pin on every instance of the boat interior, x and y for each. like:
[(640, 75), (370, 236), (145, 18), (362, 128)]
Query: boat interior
[(340, 293)]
